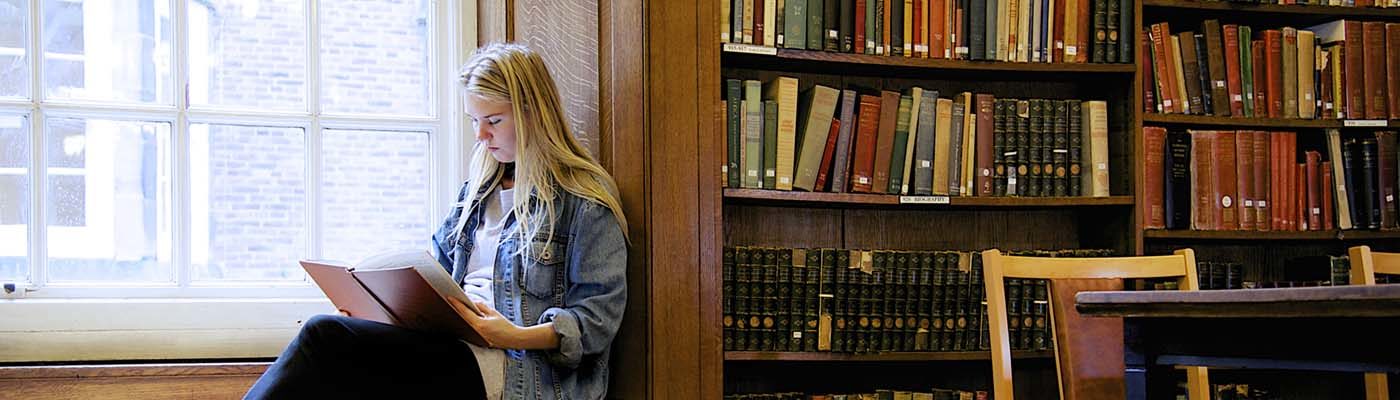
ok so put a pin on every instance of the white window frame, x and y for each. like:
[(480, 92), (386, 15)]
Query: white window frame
[(184, 319)]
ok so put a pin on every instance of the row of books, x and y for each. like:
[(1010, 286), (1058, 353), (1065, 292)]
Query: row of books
[(1341, 69), (912, 143), (1253, 181), (1069, 31), (1339, 3), (934, 394), (863, 301)]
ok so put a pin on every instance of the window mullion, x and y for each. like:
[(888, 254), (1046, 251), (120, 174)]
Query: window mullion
[(313, 129), (38, 230), (180, 187)]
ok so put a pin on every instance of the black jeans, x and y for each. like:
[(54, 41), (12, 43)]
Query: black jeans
[(344, 358)]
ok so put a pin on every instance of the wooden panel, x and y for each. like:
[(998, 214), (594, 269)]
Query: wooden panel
[(961, 230), (493, 21), (565, 33), (932, 64), (1238, 122), (1311, 302), (1087, 268), (782, 227), (733, 195), (154, 381)]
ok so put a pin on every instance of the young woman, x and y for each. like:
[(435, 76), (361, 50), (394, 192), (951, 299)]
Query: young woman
[(537, 238)]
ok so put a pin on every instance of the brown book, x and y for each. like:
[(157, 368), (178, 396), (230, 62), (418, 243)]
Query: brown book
[(1234, 88), (985, 153), (1350, 35), (1258, 55), (1154, 142), (1095, 181), (1324, 83), (1273, 66), (1307, 72), (409, 289), (1326, 195), (884, 144), (1385, 157), (1276, 179), (816, 123), (1261, 180), (942, 142), (1161, 44), (1375, 69), (1289, 64), (937, 29), (1149, 77), (1056, 31), (885, 43), (1244, 178), (1085, 37), (1300, 198), (1227, 185), (1215, 52), (825, 168), (867, 125), (1392, 62), (1202, 181), (1294, 190), (1191, 70), (1313, 188), (758, 25)]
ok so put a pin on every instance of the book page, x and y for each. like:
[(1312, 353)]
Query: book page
[(426, 265)]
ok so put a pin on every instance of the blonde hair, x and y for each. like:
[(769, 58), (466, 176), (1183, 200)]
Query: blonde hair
[(548, 157)]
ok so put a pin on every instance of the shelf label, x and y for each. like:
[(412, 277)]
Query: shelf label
[(750, 49), (923, 200), (1365, 123)]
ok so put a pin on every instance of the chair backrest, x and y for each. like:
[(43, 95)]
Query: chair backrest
[(1090, 360), (1365, 264)]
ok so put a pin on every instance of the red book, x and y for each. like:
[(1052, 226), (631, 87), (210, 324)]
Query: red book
[(758, 27), (985, 153), (1276, 181), (860, 27), (1057, 31), (1392, 61), (1385, 157), (822, 171), (1295, 176), (1273, 67), (1227, 185), (1232, 70), (1374, 38), (1327, 207), (1261, 85), (1261, 180), (1300, 209), (884, 139), (918, 31), (1354, 66), (938, 12), (1149, 86), (1324, 85), (1313, 188), (1202, 181), (866, 125), (1244, 167), (1161, 39), (1154, 142)]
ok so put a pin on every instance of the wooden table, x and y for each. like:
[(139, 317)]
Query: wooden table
[(1343, 328)]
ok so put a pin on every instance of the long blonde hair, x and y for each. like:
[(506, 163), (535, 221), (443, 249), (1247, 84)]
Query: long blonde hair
[(548, 157)]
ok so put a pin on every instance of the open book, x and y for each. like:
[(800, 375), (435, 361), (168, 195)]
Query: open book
[(404, 288)]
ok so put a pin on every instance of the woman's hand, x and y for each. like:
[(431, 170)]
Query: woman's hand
[(494, 328)]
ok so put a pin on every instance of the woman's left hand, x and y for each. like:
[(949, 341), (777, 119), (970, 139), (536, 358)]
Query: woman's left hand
[(494, 328)]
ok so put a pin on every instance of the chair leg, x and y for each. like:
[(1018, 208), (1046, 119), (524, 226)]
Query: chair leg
[(1197, 383), (1377, 386)]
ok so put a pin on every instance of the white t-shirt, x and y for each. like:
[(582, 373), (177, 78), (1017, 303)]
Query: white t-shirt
[(481, 264)]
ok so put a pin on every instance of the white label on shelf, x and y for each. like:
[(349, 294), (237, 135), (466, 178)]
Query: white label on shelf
[(1248, 203), (1317, 211), (924, 164), (796, 334), (770, 173), (1219, 84), (1239, 98), (1071, 50), (923, 200), (784, 180), (863, 180), (1061, 151), (753, 172), (1263, 203), (1167, 103), (750, 49), (1364, 123)]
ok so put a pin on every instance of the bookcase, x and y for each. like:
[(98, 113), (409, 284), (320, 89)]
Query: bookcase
[(826, 218)]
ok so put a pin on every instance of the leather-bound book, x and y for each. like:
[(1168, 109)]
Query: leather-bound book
[(1095, 140), (734, 119), (1100, 51), (901, 144), (1273, 39), (1246, 62), (1328, 212), (727, 297), (1162, 61), (1313, 189), (784, 90), (823, 171), (1392, 62), (1307, 75), (943, 130), (816, 125), (867, 126), (1076, 148), (845, 142), (1385, 174), (1259, 74), (1037, 142), (924, 148), (955, 147), (1261, 180), (1352, 38), (769, 177), (1149, 77), (1059, 157), (1203, 216), (795, 24), (1154, 141), (985, 144), (1215, 64), (1177, 174), (1375, 69), (1224, 166), (895, 10), (816, 24), (858, 23), (1244, 179), (999, 139), (889, 112), (1191, 71), (1289, 65), (846, 26), (1233, 82)]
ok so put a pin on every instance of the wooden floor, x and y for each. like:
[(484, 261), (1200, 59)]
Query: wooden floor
[(134, 381)]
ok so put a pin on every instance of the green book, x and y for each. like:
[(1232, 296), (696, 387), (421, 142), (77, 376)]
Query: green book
[(770, 144), (733, 103), (901, 139), (795, 24), (814, 10), (1247, 69)]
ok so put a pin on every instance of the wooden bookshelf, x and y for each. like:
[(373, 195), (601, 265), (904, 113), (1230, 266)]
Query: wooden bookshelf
[(760, 196), (740, 51), (1267, 123), (876, 357), (1273, 235), (1215, 8)]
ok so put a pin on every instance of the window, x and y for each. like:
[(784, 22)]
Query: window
[(198, 148)]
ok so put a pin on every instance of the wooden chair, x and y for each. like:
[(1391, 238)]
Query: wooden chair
[(1088, 351), (1365, 264)]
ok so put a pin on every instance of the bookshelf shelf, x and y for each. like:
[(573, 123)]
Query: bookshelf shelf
[(1150, 6), (1255, 235), (760, 196), (768, 53), (878, 357), (1208, 121)]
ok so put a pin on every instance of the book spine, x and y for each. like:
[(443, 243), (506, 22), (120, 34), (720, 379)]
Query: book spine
[(867, 126), (985, 148), (861, 40), (1125, 30), (1177, 189), (1392, 62), (770, 145), (830, 149), (795, 24), (816, 30), (1100, 26), (1154, 156), (1034, 151), (840, 172), (1261, 180), (1355, 73), (734, 120), (727, 298), (1191, 73), (1259, 72), (954, 181), (901, 140), (924, 145), (1215, 64), (1274, 39), (1059, 157), (1290, 73), (889, 111), (1313, 190), (846, 27), (1233, 83), (1244, 180), (999, 149), (1246, 77), (1076, 148), (1386, 175)]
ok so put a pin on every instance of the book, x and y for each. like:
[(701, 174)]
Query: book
[(407, 288), (1154, 154)]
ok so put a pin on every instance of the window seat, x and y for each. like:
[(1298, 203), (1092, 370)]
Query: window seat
[(175, 380)]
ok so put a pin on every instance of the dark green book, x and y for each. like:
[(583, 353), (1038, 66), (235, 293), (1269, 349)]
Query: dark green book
[(784, 308), (1076, 147), (815, 30), (1023, 147), (871, 16), (727, 260), (741, 298), (1060, 155), (733, 97), (826, 301), (1247, 69), (896, 45), (1111, 20), (1036, 147), (831, 25), (770, 144), (847, 26), (811, 308), (794, 24), (1126, 40), (999, 148), (771, 309), (901, 140), (1100, 32), (1013, 312), (1040, 311)]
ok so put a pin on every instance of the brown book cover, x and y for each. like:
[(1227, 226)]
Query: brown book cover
[(1056, 31), (1307, 74), (1276, 179), (1355, 69), (942, 139), (1160, 45), (1085, 37), (1385, 156), (985, 153), (1294, 189), (825, 167), (1227, 185), (1375, 69), (867, 125), (1289, 64), (1154, 143), (1202, 181), (1313, 188), (1258, 55), (1392, 62), (1233, 86), (916, 20), (1149, 78), (885, 38), (1219, 88), (1261, 180), (1326, 186), (1244, 175), (884, 144), (409, 289), (1191, 68), (858, 22), (758, 25), (937, 29), (1324, 83), (1273, 66), (1300, 185)]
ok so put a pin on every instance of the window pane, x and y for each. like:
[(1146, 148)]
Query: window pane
[(14, 66), (248, 202), (248, 53), (109, 213), (374, 57), (375, 193), (127, 42), (14, 198)]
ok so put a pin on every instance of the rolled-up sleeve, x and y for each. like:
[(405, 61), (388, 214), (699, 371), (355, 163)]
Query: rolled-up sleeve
[(597, 294)]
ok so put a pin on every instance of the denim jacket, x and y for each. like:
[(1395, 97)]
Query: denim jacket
[(578, 281)]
